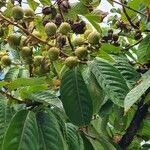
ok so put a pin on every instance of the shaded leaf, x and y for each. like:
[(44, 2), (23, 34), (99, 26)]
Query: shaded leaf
[(22, 132), (76, 98), (110, 79)]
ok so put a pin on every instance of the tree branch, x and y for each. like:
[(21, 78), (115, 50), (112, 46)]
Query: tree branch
[(28, 33), (129, 8), (139, 116), (128, 17), (131, 46)]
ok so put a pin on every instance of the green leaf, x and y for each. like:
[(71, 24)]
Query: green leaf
[(23, 82), (6, 113), (3, 83), (12, 74), (109, 48), (144, 129), (43, 97), (74, 139), (110, 79), (22, 132), (96, 92), (98, 141), (33, 4), (143, 51), (77, 9), (102, 54), (94, 20), (76, 98), (135, 94), (45, 2), (49, 132), (128, 72)]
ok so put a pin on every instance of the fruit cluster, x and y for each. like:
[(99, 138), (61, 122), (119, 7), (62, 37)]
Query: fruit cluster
[(58, 45)]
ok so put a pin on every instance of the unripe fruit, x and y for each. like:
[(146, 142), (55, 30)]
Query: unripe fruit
[(17, 12), (71, 62), (64, 28), (26, 52), (86, 33), (53, 53), (93, 38), (6, 60), (14, 40), (81, 52), (36, 33), (37, 60), (29, 14), (78, 41), (50, 29)]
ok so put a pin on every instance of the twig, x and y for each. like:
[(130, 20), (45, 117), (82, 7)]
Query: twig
[(131, 46), (131, 131), (128, 17), (69, 40), (9, 96), (63, 18), (29, 33), (129, 8)]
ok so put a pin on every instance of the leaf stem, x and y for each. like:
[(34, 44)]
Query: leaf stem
[(129, 8)]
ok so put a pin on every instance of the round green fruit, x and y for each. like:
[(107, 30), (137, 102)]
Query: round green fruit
[(78, 41), (93, 38), (26, 52), (17, 12), (86, 33), (53, 53), (36, 33), (29, 14), (81, 52), (14, 40), (64, 28), (50, 29), (37, 60), (71, 62), (6, 60)]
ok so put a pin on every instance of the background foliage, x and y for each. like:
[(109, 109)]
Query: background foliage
[(80, 86)]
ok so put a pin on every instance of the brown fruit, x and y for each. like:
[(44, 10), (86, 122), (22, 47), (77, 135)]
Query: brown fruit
[(17, 12), (53, 53), (6, 60), (71, 62)]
